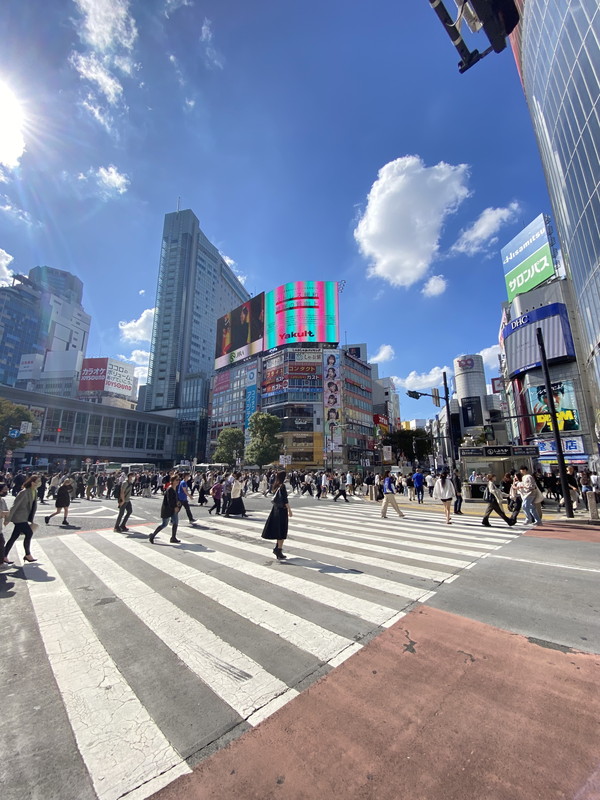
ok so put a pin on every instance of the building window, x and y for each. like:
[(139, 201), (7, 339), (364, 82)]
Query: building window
[(130, 435), (107, 432), (81, 421), (119, 433), (93, 434)]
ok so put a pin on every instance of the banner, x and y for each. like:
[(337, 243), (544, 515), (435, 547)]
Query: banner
[(240, 332), (527, 259), (567, 412), (332, 401)]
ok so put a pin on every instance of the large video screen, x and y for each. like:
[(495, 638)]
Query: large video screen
[(527, 259), (240, 332), (520, 338), (301, 312), (567, 413)]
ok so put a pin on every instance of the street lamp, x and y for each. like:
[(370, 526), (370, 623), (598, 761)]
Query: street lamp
[(436, 399)]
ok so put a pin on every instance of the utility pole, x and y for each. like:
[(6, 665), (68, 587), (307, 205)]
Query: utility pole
[(449, 418), (562, 471)]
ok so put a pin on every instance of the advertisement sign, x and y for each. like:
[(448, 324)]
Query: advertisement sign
[(472, 414), (119, 378), (571, 446), (303, 370), (387, 453), (93, 374), (497, 385), (302, 311), (527, 259), (240, 332), (310, 356), (564, 401), (251, 400), (520, 340), (332, 400), (38, 413), (222, 382)]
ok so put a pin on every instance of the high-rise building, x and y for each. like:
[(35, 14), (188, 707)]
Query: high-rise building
[(557, 49), (195, 287), (44, 330)]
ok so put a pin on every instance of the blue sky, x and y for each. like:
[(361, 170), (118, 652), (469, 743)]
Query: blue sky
[(324, 140)]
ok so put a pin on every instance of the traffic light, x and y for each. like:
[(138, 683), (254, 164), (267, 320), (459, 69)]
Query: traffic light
[(414, 395), (435, 393), (498, 17)]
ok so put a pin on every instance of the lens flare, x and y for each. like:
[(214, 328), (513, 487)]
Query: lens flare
[(12, 123)]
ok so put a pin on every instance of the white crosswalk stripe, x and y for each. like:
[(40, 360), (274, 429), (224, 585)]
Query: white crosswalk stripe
[(221, 617)]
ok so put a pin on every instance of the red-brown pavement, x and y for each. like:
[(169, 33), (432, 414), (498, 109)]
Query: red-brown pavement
[(437, 707), (580, 531)]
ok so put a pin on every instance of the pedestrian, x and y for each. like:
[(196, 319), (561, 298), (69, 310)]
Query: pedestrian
[(80, 487), (339, 488), (236, 504), (226, 496), (349, 482), (183, 495), (529, 491), (411, 486), (276, 526), (62, 502), (307, 484), (169, 512), (573, 485), (90, 486), (21, 515), (456, 480), (216, 493), (389, 496), (493, 496), (42, 489), (430, 483), (419, 481), (124, 502), (54, 484), (3, 519), (444, 490)]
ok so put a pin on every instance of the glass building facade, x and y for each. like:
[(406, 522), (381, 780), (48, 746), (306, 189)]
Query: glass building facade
[(557, 49)]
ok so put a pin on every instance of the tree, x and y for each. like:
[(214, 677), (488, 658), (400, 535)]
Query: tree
[(410, 444), (264, 447), (230, 445), (11, 417)]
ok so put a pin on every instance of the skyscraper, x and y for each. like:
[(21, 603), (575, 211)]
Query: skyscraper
[(557, 49), (195, 287)]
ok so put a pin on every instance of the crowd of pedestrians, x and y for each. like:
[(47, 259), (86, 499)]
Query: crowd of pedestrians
[(521, 490)]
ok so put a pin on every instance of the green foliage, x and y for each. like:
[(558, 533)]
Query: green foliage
[(230, 442), (410, 444), (264, 447), (11, 416)]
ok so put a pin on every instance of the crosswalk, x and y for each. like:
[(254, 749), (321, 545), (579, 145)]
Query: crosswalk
[(159, 653)]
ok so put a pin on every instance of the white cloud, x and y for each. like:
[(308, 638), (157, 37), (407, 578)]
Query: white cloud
[(15, 213), (107, 24), (111, 180), (189, 104), (212, 58), (400, 228), (138, 330), (12, 143), (234, 268), (483, 231), (180, 79), (435, 285), (98, 113), (91, 69), (173, 5), (385, 353), (142, 291), (490, 356), (5, 273), (424, 380), (140, 358)]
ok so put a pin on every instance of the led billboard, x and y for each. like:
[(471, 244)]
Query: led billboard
[(240, 332), (520, 340), (527, 259), (332, 400), (301, 312), (565, 403), (107, 375)]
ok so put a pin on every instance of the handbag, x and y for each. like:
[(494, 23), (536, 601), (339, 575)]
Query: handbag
[(487, 495)]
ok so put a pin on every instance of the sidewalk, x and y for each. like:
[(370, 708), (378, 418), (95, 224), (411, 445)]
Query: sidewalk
[(437, 706)]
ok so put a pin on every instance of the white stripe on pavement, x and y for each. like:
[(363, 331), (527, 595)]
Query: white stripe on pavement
[(233, 676), (306, 635), (120, 744)]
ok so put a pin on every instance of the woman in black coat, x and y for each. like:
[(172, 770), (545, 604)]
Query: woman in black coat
[(169, 511), (276, 526)]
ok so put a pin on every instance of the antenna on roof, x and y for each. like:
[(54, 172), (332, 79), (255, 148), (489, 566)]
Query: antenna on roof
[(178, 204)]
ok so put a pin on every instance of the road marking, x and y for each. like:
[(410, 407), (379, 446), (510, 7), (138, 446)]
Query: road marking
[(232, 675), (302, 633), (546, 563), (119, 742)]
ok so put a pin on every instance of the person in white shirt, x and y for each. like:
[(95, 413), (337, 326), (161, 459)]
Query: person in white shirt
[(430, 483), (444, 490), (349, 483)]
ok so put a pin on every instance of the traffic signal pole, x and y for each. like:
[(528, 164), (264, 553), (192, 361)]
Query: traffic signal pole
[(449, 418)]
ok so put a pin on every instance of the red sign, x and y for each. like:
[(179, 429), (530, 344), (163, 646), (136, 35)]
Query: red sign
[(93, 374), (302, 369), (379, 419)]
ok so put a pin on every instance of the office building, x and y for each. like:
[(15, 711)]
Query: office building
[(195, 287), (557, 49), (279, 353)]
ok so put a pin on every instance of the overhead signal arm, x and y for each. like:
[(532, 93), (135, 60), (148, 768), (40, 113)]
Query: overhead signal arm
[(498, 18)]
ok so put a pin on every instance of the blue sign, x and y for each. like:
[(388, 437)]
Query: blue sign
[(14, 433)]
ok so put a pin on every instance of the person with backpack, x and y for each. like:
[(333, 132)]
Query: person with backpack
[(183, 495), (169, 512)]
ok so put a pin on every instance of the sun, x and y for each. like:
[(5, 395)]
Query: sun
[(12, 123)]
